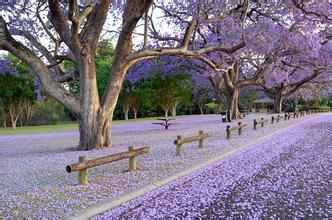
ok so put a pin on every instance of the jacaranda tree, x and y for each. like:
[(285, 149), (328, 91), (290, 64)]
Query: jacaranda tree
[(73, 29), (45, 33)]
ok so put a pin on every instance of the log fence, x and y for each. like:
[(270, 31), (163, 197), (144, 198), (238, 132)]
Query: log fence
[(261, 122), (83, 164), (285, 116), (239, 127), (275, 118), (183, 140)]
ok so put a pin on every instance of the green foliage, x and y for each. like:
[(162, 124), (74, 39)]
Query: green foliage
[(16, 86), (70, 66), (20, 67), (177, 88), (247, 101), (324, 108), (325, 101), (146, 90), (48, 112), (212, 106), (289, 108), (157, 91), (104, 58), (103, 61)]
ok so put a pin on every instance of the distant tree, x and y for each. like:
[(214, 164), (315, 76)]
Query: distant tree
[(172, 91), (246, 100), (16, 89), (202, 91), (135, 103)]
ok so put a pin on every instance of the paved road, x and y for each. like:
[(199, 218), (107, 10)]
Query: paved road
[(286, 176)]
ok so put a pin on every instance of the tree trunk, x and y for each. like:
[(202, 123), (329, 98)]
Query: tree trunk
[(220, 107), (296, 106), (28, 112), (13, 118), (92, 120), (14, 113), (108, 135), (201, 110), (166, 112), (13, 123), (278, 99), (4, 118), (174, 110), (125, 112), (234, 104), (135, 113)]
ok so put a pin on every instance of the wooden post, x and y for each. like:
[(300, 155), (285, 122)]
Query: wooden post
[(239, 124), (228, 132), (82, 174), (272, 119), (201, 141), (132, 160), (255, 124), (179, 147), (262, 124), (278, 118), (285, 116)]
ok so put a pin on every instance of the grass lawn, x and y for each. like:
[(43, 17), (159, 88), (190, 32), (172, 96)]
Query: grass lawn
[(65, 126)]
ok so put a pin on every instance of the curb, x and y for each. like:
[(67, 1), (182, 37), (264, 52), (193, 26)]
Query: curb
[(116, 201)]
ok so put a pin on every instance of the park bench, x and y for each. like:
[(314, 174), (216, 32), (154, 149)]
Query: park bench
[(275, 118), (83, 164), (165, 122), (239, 127), (261, 122), (183, 140)]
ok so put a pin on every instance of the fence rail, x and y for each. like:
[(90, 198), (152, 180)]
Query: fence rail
[(261, 122), (83, 164), (183, 140), (239, 127), (275, 118)]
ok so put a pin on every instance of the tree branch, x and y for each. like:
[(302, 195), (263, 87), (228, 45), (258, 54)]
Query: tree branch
[(8, 43)]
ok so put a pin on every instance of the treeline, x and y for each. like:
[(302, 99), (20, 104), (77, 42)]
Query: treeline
[(157, 91)]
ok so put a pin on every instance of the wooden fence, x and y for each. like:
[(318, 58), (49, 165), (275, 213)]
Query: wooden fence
[(83, 164), (239, 127), (200, 138), (275, 118), (261, 122)]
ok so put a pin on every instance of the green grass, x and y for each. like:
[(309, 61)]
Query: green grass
[(38, 129), (65, 126)]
